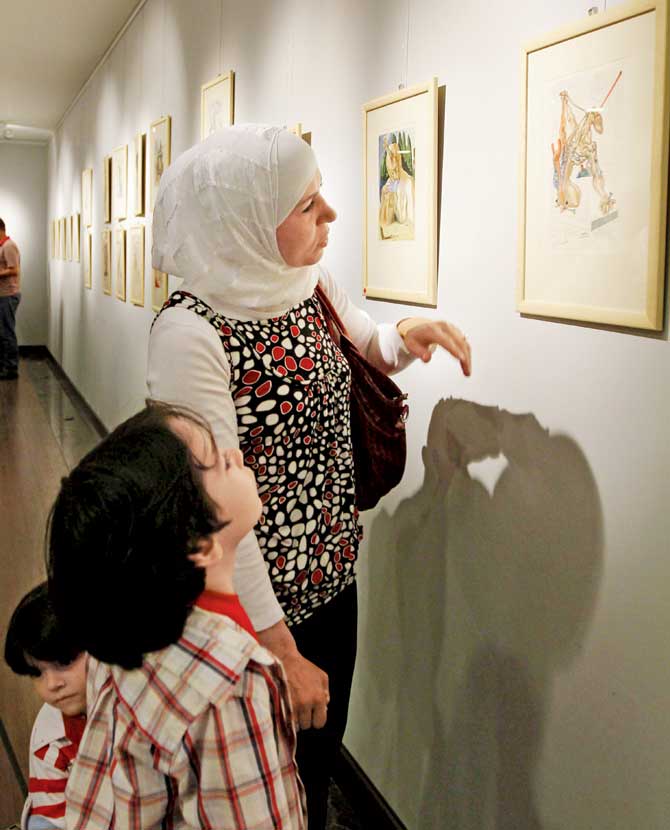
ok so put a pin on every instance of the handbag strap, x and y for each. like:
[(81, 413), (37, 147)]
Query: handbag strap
[(335, 325)]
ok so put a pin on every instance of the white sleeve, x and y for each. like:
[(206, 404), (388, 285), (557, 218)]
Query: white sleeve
[(188, 366), (380, 343)]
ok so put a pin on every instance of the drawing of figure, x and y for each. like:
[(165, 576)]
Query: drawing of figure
[(577, 148), (396, 198), (159, 164)]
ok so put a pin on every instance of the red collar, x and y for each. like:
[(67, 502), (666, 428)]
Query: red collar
[(228, 605), (6, 239)]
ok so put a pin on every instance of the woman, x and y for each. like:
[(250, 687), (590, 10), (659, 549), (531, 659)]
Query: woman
[(240, 217)]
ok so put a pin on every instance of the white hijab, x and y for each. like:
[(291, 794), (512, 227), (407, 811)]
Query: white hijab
[(216, 215)]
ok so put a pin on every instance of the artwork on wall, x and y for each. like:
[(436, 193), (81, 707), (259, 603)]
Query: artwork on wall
[(120, 183), (107, 261), (217, 104), (159, 154), (75, 220), (159, 289), (120, 263), (87, 196), (136, 264), (296, 129), (106, 190), (61, 224), (595, 169), (68, 238), (139, 150), (88, 260), (400, 203)]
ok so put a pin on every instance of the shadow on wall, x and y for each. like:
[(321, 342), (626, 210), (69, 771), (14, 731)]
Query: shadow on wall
[(476, 599)]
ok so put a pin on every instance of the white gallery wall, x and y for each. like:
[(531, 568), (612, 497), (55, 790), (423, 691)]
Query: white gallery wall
[(23, 206), (513, 654)]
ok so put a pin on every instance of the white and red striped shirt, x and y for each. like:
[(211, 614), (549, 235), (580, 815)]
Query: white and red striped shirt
[(54, 742)]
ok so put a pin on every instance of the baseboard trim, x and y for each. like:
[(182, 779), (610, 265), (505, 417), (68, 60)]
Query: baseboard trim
[(82, 405), (366, 801)]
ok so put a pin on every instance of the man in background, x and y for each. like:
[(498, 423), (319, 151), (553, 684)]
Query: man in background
[(10, 279)]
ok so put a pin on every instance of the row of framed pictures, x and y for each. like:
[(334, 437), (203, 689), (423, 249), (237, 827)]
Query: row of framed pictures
[(64, 236), (123, 267)]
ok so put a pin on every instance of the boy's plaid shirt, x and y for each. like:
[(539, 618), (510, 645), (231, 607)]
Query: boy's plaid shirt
[(200, 736)]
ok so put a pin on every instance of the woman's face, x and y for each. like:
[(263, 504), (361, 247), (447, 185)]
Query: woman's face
[(303, 235)]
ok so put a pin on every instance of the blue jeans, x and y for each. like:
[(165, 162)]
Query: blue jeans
[(9, 348)]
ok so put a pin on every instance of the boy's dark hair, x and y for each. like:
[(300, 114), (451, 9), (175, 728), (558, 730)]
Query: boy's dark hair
[(120, 533), (35, 632), (2, 226)]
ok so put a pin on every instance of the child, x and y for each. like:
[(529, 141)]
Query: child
[(189, 719), (36, 645)]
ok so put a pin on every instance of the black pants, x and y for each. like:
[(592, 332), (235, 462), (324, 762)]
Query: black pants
[(9, 348), (328, 639)]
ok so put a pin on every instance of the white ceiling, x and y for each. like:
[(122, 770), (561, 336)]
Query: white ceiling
[(49, 49)]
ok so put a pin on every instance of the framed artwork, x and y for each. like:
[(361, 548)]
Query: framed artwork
[(139, 148), (107, 261), (400, 196), (107, 189), (296, 129), (61, 224), (159, 289), (68, 238), (159, 154), (593, 190), (217, 104), (136, 264), (120, 263), (120, 183), (88, 260), (76, 230), (87, 196)]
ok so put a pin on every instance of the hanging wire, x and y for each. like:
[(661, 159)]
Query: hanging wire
[(221, 38), (403, 85)]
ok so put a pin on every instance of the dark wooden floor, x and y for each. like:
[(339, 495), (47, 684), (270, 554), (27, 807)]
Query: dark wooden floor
[(43, 434)]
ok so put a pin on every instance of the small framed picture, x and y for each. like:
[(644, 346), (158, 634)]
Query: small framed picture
[(107, 261), (120, 183), (68, 238), (217, 104), (136, 264), (159, 289), (139, 151), (88, 260), (120, 263), (594, 176), (107, 189), (159, 154), (87, 196), (63, 240), (76, 230), (400, 208)]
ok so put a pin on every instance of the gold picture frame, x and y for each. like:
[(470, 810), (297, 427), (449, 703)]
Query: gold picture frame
[(87, 196), (159, 289), (160, 148), (136, 264), (88, 260), (76, 239), (68, 238), (139, 164), (107, 261), (120, 183), (217, 104), (63, 246), (120, 263), (297, 129), (107, 189), (594, 169), (400, 196)]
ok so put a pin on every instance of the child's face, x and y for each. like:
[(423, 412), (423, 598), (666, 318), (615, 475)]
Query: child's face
[(229, 484), (62, 686)]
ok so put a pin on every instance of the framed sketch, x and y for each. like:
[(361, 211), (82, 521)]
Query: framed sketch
[(76, 230), (68, 238), (296, 129), (120, 183), (400, 196), (107, 261), (139, 149), (61, 225), (107, 189), (120, 263), (136, 264), (217, 104), (159, 289), (87, 196), (159, 154), (593, 190), (88, 260)]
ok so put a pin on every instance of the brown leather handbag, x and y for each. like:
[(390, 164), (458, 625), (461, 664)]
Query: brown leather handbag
[(378, 415)]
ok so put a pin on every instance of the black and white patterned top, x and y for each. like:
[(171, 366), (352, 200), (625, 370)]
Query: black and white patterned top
[(290, 385)]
